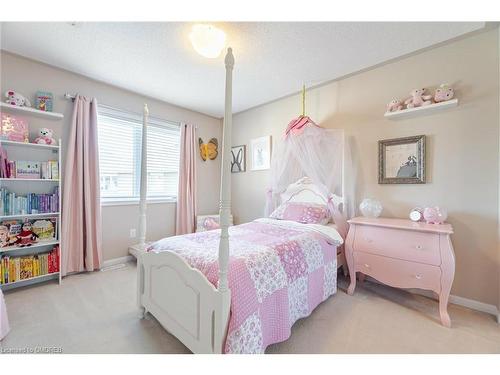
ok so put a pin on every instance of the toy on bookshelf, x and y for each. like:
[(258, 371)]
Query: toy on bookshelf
[(27, 232), (45, 137), (43, 101), (14, 128)]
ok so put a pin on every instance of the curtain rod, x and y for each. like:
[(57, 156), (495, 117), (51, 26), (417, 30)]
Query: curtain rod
[(69, 96)]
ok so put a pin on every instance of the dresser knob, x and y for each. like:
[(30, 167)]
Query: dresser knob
[(418, 277), (367, 265), (419, 247)]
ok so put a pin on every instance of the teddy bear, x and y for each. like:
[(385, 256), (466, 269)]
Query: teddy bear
[(18, 99), (443, 93), (45, 137), (394, 105), (418, 99)]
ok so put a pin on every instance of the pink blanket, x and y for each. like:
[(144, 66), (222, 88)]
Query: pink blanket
[(4, 322), (279, 271)]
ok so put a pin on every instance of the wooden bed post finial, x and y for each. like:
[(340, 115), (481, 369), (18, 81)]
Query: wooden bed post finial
[(225, 191)]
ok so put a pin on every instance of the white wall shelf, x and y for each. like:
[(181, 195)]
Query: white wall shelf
[(29, 145), (28, 111), (414, 112)]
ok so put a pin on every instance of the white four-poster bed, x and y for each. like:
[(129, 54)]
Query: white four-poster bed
[(181, 297)]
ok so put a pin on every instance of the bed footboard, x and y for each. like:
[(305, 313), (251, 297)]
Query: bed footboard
[(184, 302)]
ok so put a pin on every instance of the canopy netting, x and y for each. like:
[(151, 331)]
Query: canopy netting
[(308, 150)]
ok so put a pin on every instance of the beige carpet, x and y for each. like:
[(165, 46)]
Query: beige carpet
[(95, 313)]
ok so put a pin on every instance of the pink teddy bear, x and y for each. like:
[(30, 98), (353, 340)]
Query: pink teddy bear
[(45, 137), (418, 99), (394, 105)]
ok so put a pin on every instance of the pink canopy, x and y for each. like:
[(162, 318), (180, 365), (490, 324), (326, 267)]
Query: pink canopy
[(322, 155)]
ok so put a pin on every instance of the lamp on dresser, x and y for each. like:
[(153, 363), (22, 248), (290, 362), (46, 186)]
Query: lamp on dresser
[(403, 254)]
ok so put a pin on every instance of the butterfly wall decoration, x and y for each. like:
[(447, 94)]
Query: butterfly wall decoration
[(208, 150)]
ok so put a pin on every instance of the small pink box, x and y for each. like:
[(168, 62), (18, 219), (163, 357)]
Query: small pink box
[(14, 128)]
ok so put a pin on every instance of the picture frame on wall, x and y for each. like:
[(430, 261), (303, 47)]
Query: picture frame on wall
[(238, 159), (260, 151), (402, 160)]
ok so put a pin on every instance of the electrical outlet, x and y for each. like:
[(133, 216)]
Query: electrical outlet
[(133, 233)]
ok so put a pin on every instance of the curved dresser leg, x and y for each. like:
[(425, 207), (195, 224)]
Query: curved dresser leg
[(350, 259), (447, 276), (352, 285)]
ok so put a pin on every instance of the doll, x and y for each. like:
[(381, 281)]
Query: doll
[(27, 237)]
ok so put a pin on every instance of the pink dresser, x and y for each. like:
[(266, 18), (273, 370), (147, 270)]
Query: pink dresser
[(403, 254)]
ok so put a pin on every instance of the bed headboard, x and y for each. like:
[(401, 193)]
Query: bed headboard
[(305, 191)]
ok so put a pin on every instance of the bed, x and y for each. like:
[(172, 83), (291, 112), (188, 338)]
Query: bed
[(240, 289)]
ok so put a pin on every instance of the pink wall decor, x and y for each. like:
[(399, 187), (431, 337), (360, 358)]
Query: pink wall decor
[(14, 128)]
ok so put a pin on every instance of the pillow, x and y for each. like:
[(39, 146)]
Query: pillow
[(306, 213)]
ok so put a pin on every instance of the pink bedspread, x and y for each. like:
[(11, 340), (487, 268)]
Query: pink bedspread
[(279, 271)]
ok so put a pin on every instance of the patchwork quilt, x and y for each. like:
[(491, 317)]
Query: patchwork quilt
[(279, 271)]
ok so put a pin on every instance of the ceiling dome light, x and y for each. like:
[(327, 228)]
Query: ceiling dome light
[(207, 40)]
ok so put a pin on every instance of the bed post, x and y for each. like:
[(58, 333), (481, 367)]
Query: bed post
[(225, 190), (144, 179)]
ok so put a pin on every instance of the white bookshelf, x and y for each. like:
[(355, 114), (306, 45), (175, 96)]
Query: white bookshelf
[(28, 111), (36, 152)]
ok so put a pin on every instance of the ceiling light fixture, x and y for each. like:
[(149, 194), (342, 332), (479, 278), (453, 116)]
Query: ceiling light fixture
[(207, 40)]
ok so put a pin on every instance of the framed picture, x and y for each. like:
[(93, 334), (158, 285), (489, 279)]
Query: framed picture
[(260, 150), (238, 159), (402, 160)]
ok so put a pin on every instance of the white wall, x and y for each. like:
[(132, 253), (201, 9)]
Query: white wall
[(462, 147), (28, 76)]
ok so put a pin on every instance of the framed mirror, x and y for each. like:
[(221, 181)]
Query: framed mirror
[(402, 160)]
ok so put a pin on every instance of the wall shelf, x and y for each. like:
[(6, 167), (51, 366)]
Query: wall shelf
[(414, 112), (29, 145), (29, 179), (28, 111)]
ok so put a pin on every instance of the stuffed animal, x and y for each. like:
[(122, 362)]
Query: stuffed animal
[(45, 137), (443, 93), (394, 105), (27, 237), (15, 98), (418, 99)]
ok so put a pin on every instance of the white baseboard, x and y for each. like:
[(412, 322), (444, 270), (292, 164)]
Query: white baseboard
[(456, 300), (115, 261)]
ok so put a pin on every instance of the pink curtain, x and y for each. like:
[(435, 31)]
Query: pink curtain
[(186, 197), (81, 215), (4, 322)]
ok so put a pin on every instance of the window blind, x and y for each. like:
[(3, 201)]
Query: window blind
[(120, 139)]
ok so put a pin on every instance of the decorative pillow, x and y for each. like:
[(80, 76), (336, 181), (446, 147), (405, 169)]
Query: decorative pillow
[(307, 213)]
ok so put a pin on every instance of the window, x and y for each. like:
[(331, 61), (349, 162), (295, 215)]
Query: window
[(120, 139)]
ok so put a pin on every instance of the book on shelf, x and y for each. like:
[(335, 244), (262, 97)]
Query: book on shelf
[(17, 268), (31, 203), (45, 170), (25, 233)]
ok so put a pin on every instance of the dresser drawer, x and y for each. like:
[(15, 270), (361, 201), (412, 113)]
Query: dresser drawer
[(398, 273), (422, 247)]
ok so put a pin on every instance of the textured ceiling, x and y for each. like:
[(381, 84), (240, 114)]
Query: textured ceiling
[(272, 59)]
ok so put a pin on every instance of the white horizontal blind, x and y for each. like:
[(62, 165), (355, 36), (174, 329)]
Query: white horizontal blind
[(120, 137)]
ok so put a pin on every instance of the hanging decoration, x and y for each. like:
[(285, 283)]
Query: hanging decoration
[(208, 150)]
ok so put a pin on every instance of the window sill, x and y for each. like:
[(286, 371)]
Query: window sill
[(135, 202)]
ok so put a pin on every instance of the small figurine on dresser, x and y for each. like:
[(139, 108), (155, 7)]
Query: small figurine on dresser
[(418, 98), (17, 99), (44, 101), (45, 137), (435, 215)]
